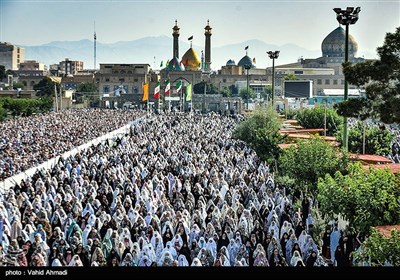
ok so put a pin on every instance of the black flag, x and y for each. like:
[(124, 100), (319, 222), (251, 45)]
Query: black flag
[(190, 38), (246, 48)]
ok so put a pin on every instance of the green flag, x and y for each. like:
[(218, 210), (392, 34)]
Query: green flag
[(161, 64), (178, 86), (189, 92)]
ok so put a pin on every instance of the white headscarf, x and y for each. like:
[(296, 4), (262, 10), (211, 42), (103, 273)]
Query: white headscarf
[(56, 262), (196, 262), (75, 261), (182, 261), (85, 234)]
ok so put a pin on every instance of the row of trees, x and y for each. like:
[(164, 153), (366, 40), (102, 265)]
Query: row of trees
[(364, 197), (377, 139), (23, 106)]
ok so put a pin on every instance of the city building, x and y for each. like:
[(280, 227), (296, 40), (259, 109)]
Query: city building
[(32, 68), (326, 72), (11, 55), (69, 67)]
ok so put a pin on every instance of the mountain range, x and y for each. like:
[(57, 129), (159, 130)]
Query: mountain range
[(153, 50)]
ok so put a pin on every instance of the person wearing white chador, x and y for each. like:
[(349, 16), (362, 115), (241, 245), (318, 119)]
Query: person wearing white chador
[(212, 246), (196, 262), (302, 240), (166, 259), (157, 243), (296, 259), (171, 249), (128, 260), (309, 247), (289, 246), (76, 261), (261, 259), (136, 253), (182, 261), (335, 236), (148, 250), (233, 250)]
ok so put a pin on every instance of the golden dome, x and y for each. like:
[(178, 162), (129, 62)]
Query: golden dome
[(191, 60)]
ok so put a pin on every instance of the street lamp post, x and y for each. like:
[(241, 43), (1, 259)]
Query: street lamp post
[(247, 67), (346, 17), (273, 55), (204, 98)]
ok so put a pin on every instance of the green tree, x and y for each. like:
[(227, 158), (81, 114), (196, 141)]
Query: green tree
[(24, 107), (378, 249), (15, 106), (314, 118), (267, 93), (260, 131), (310, 160), (3, 74), (377, 141), (225, 92), (291, 114), (210, 88), (17, 85), (87, 88), (290, 76), (3, 112), (243, 94), (233, 90), (45, 104), (363, 197), (46, 87), (382, 77)]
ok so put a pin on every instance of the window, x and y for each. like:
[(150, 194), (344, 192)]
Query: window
[(319, 82), (327, 82), (135, 80), (107, 79), (106, 88), (335, 82), (121, 80), (298, 72), (342, 82)]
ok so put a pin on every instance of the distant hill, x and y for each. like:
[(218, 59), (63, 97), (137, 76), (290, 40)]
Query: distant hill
[(153, 50)]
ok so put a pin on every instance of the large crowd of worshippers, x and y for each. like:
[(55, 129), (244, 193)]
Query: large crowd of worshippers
[(175, 191), (29, 141)]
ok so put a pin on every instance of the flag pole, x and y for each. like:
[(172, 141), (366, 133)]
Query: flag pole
[(183, 98), (170, 93)]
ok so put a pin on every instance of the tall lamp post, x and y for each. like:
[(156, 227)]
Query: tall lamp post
[(247, 67), (273, 55), (346, 17)]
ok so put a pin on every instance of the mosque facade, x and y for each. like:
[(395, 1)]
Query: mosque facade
[(325, 72)]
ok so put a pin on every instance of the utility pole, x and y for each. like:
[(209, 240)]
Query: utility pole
[(55, 92), (363, 139), (325, 120), (204, 98)]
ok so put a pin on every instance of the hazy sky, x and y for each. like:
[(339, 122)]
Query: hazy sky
[(305, 23)]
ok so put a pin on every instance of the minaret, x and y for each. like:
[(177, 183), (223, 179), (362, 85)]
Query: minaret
[(207, 59), (175, 34)]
